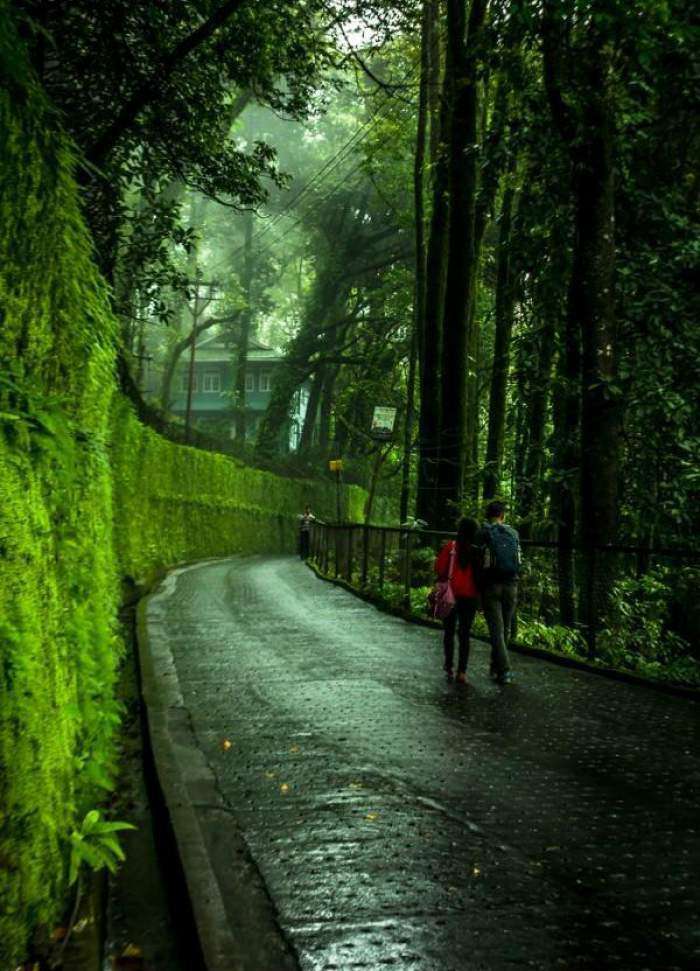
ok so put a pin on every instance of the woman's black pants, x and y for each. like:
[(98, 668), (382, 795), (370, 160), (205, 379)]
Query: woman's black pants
[(462, 617)]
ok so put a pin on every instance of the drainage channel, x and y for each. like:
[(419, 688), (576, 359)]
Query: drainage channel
[(141, 919)]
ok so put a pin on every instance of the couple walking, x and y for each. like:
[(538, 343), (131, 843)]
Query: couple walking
[(483, 563)]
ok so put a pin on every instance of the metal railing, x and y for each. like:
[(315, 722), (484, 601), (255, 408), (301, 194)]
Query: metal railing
[(582, 589)]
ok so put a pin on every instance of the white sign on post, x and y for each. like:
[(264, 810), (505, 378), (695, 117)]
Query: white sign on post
[(383, 421)]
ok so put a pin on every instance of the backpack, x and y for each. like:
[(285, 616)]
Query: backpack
[(441, 599), (502, 552)]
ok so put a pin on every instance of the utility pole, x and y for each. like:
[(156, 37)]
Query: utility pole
[(193, 344)]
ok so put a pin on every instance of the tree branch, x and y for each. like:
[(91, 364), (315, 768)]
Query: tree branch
[(150, 90)]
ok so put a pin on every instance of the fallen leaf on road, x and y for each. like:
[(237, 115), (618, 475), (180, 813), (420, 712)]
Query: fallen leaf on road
[(371, 817), (284, 788), (226, 744)]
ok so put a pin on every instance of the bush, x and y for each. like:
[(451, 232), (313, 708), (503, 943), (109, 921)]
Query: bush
[(636, 630)]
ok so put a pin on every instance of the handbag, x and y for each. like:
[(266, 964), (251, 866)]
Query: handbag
[(441, 599)]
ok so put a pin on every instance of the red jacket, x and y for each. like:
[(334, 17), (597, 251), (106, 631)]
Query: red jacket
[(463, 581)]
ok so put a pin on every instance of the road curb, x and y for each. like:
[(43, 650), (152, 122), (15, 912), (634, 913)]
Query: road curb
[(563, 660), (234, 916)]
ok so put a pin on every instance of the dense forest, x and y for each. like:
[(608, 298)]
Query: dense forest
[(478, 213), (244, 225), (481, 214)]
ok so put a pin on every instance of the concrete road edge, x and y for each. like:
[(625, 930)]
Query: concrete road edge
[(235, 919)]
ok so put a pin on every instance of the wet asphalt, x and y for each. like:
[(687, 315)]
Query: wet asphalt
[(401, 822)]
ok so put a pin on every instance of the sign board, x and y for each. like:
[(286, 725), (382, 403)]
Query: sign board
[(335, 465), (383, 421)]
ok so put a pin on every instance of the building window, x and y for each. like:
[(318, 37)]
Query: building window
[(212, 381), (185, 385), (250, 382), (265, 381)]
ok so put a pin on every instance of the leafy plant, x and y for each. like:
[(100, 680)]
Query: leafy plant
[(636, 628), (95, 845), (564, 640)]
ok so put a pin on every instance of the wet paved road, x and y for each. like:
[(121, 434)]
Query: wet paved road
[(401, 822)]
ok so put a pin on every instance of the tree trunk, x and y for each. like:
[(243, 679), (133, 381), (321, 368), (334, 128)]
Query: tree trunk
[(193, 346), (324, 428), (589, 138), (433, 295), (244, 334), (461, 72), (531, 503), (325, 304), (176, 353), (307, 432), (379, 460), (408, 432), (470, 477), (419, 230), (505, 298)]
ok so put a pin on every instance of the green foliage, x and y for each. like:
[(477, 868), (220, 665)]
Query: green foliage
[(562, 640), (95, 844), (87, 495), (637, 632)]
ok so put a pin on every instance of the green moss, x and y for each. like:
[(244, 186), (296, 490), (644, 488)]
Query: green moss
[(87, 495)]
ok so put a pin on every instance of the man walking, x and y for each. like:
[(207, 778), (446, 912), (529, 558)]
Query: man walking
[(499, 585), (305, 520)]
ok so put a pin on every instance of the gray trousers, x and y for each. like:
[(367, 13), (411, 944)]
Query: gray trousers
[(499, 601)]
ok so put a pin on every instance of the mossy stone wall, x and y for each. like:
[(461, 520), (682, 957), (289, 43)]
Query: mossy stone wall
[(88, 495)]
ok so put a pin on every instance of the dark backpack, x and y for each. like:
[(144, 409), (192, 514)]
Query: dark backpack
[(502, 552)]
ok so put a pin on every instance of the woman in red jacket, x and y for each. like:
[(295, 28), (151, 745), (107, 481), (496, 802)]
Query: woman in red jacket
[(466, 559)]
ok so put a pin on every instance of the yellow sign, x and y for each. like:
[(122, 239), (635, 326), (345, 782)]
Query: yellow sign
[(335, 465)]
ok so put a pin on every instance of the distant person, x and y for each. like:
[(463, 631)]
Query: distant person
[(498, 582), (458, 561), (305, 520)]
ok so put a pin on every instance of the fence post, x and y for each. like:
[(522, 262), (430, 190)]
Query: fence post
[(382, 558), (408, 567), (336, 536), (365, 554), (350, 552), (591, 600)]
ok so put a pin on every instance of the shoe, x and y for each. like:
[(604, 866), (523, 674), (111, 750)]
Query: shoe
[(505, 678), (450, 674), (461, 678)]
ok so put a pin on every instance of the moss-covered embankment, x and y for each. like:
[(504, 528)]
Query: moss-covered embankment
[(88, 495)]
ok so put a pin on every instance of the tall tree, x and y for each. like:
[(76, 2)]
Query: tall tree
[(464, 51), (585, 122), (431, 331), (505, 299), (418, 334)]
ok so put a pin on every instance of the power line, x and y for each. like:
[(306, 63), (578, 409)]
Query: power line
[(326, 170)]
